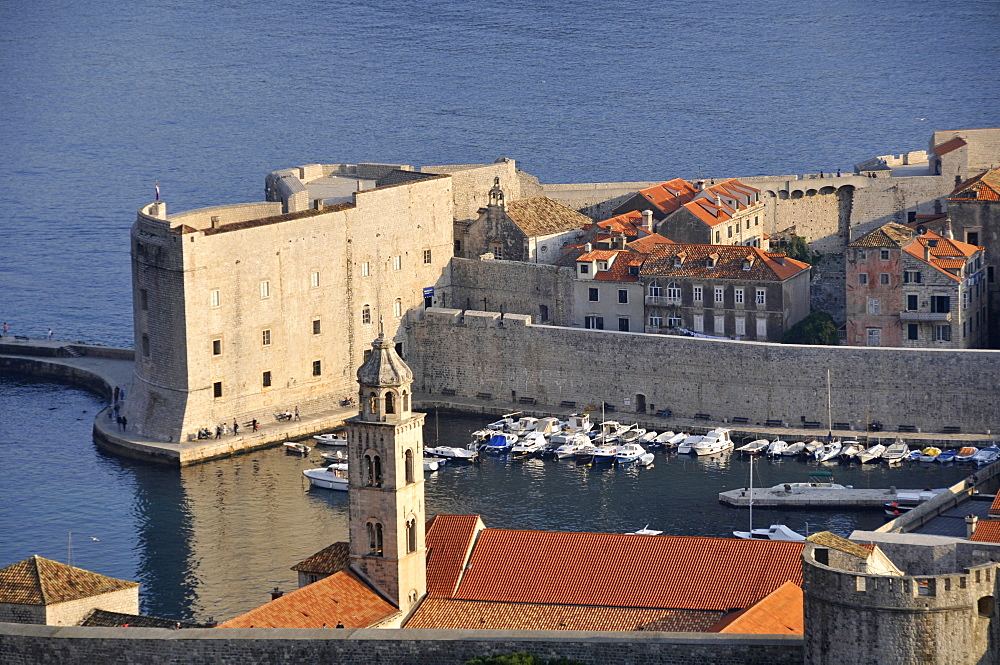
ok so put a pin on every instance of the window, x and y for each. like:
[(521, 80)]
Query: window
[(729, 231), (265, 338), (623, 296), (317, 327), (862, 255), (718, 294), (623, 325), (374, 538), (874, 337), (912, 331), (397, 263), (592, 295), (655, 321), (373, 470), (941, 304), (365, 269), (911, 277), (942, 333), (862, 278), (397, 308), (366, 315), (497, 251), (314, 279), (411, 535), (266, 380), (718, 236), (602, 265), (217, 389), (543, 312), (972, 237), (885, 255), (143, 299), (761, 298), (741, 325), (720, 325), (738, 293), (458, 247), (145, 345), (214, 299), (594, 322), (655, 289), (427, 256), (883, 279), (673, 322), (697, 294), (674, 291), (317, 367), (911, 302), (699, 323), (874, 306), (390, 402), (584, 268), (216, 347), (265, 289), (761, 327), (409, 466)]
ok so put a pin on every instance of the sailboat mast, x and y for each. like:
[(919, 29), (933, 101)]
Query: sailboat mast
[(829, 403), (751, 497)]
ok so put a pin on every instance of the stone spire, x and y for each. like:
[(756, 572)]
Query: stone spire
[(384, 368)]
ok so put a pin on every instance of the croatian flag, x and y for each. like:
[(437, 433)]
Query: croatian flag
[(157, 190)]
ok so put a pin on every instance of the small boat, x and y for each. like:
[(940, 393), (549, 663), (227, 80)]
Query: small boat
[(530, 445), (451, 452), (646, 460), (812, 445), (609, 432), (896, 453), (947, 456), (776, 448), (524, 425), (644, 531), (500, 442), (754, 447), (573, 444), (828, 451), (505, 422), (296, 448), (773, 532), (648, 438), (605, 454), (793, 449), (629, 453), (577, 424), (849, 450), (715, 441), (966, 454), (329, 440), (431, 464), (330, 477), (585, 452), (872, 454), (334, 457), (929, 454), (669, 440), (913, 455), (480, 438), (548, 426), (632, 434), (987, 455)]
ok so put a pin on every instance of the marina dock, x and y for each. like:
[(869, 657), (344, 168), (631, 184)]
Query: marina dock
[(810, 497)]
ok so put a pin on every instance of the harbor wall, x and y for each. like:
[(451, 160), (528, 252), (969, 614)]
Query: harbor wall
[(22, 644), (478, 355)]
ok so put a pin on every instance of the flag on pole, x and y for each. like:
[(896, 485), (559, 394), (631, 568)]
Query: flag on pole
[(157, 190)]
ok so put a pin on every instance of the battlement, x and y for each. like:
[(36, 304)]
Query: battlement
[(475, 319)]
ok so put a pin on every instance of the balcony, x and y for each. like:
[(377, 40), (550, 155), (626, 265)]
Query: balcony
[(924, 316), (662, 301)]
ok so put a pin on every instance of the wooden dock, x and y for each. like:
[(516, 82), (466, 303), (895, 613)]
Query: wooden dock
[(810, 497)]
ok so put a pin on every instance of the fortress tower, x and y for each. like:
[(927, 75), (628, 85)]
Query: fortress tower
[(386, 486)]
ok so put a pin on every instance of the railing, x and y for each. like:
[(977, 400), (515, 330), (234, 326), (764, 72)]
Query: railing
[(662, 301), (924, 316)]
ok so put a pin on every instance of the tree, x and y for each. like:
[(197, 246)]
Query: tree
[(797, 248), (817, 328)]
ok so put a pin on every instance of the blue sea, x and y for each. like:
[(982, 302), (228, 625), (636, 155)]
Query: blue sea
[(99, 101)]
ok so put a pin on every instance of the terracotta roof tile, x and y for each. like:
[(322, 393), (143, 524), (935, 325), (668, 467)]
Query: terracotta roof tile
[(835, 542), (622, 268), (598, 255), (327, 561), (453, 614), (621, 570), (449, 539), (764, 266), (540, 216), (105, 619), (628, 223), (645, 244), (341, 598), (778, 613), (671, 195), (41, 581), (946, 254), (887, 235), (984, 187), (948, 146), (995, 507), (987, 531)]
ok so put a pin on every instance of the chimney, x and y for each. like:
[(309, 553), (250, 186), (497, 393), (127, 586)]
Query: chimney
[(700, 185), (948, 232), (971, 522), (647, 220), (718, 200), (618, 242), (588, 248), (927, 253), (277, 593)]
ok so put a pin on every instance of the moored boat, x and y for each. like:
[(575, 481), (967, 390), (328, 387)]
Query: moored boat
[(714, 442), (773, 532), (828, 451), (849, 450), (793, 449), (966, 454), (530, 445), (629, 453), (330, 477), (631, 435), (500, 442), (872, 453), (776, 448), (573, 444), (987, 455), (451, 452), (896, 453), (330, 440), (754, 447), (605, 454), (505, 423), (929, 454), (669, 440), (946, 456), (296, 448), (431, 464)]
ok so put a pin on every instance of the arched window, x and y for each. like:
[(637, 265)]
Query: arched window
[(369, 471), (372, 402), (366, 315), (655, 289), (378, 471), (411, 535), (409, 465), (406, 401), (374, 538), (674, 290), (390, 402)]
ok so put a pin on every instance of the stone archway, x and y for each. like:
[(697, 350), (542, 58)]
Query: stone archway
[(640, 403)]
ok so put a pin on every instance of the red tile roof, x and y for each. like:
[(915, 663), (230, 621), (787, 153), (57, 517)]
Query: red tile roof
[(449, 539), (41, 581), (598, 255), (948, 146), (887, 235), (327, 561), (341, 598), (730, 194), (984, 187), (645, 244), (621, 269), (987, 531), (628, 223), (778, 613), (946, 255), (626, 570), (671, 195), (995, 507), (764, 266)]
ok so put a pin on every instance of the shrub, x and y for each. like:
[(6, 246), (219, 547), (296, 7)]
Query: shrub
[(817, 328)]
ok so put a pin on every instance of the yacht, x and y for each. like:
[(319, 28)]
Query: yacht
[(716, 441), (872, 454), (329, 440), (451, 452), (330, 477), (577, 424), (572, 444), (523, 426)]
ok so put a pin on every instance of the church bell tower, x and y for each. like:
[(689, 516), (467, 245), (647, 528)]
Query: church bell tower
[(386, 479)]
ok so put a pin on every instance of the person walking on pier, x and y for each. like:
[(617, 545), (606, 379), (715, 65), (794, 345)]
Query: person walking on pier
[(5, 329), (297, 413), (218, 431), (254, 424), (236, 427)]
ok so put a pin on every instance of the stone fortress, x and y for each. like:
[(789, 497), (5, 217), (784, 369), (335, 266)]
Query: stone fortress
[(248, 310)]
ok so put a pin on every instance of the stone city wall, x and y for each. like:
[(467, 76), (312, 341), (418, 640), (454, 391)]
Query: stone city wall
[(473, 354), (26, 645), (514, 287)]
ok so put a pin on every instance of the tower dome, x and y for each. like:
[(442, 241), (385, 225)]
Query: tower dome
[(384, 368)]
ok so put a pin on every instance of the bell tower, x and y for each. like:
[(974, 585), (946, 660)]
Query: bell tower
[(386, 480)]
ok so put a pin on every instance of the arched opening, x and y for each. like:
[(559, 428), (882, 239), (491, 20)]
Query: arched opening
[(986, 606), (409, 465), (827, 190), (374, 538), (810, 192), (655, 289), (797, 194), (366, 315), (640, 403), (783, 194), (768, 193), (390, 402), (411, 535), (372, 403), (369, 471), (674, 291), (406, 401), (378, 470)]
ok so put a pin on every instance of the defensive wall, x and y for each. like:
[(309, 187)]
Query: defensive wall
[(514, 287), (479, 354), (24, 644)]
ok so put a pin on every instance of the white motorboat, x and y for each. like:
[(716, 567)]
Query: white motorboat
[(296, 448), (500, 442), (754, 447), (850, 449), (812, 445), (773, 532), (523, 426), (669, 440), (610, 431), (585, 452), (715, 441), (577, 424), (776, 448), (967, 454), (687, 444), (828, 451), (329, 440), (793, 449), (605, 454), (572, 444), (481, 437), (817, 480), (451, 452), (987, 455), (907, 501), (629, 453), (505, 423), (531, 444), (646, 460), (330, 477), (872, 453), (632, 434), (548, 426), (334, 457), (648, 438), (431, 464), (644, 531), (896, 453)]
